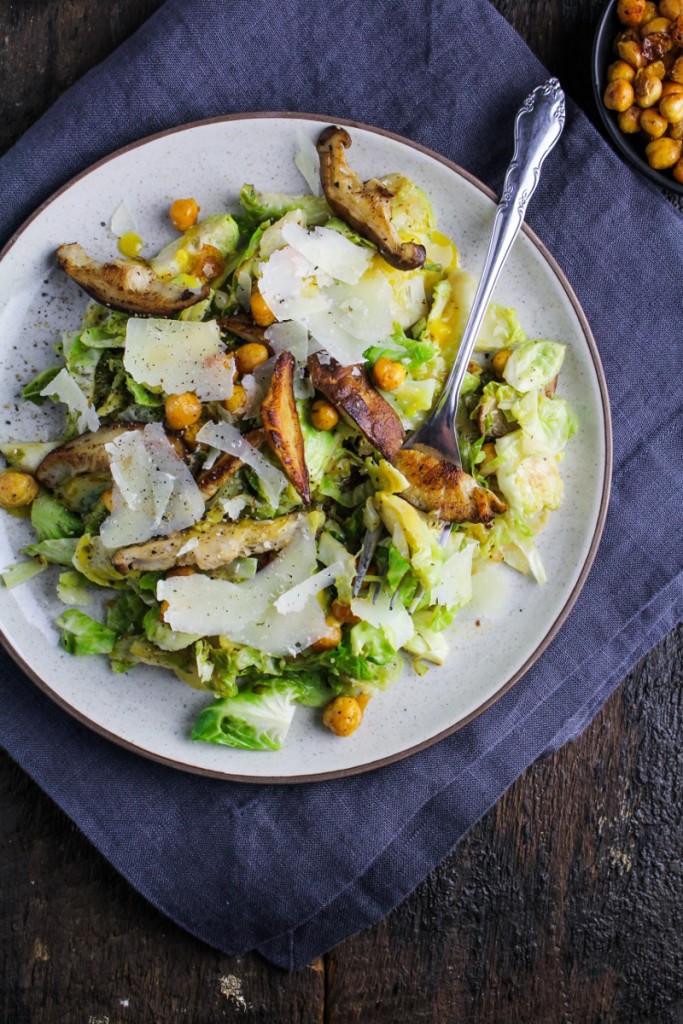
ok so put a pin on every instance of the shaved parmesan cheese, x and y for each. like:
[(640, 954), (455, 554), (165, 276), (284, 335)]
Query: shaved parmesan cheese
[(229, 439), (307, 162), (288, 285), (246, 612), (289, 337), (395, 621), (189, 545), (232, 506), (178, 356), (364, 310), (295, 599), (341, 345), (272, 239), (122, 221), (329, 252), (63, 388), (154, 492)]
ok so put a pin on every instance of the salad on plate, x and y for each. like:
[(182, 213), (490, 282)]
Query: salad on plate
[(236, 409)]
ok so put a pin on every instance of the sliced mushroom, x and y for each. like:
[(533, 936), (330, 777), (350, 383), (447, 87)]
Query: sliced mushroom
[(128, 285), (282, 426), (217, 544), (83, 454), (492, 421), (224, 468), (366, 206), (442, 487), (243, 327), (350, 390), (86, 454)]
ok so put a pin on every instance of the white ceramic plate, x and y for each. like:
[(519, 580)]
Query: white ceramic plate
[(149, 711)]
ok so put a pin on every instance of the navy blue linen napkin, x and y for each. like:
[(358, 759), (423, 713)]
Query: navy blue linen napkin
[(291, 871)]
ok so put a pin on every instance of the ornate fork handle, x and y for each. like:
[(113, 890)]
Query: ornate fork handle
[(538, 126)]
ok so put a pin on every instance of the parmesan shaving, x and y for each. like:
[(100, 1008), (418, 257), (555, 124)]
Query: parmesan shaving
[(63, 388), (123, 221), (246, 612), (295, 599), (329, 252), (307, 162), (229, 439), (178, 356), (154, 492)]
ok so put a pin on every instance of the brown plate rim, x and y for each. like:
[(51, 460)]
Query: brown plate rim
[(604, 501)]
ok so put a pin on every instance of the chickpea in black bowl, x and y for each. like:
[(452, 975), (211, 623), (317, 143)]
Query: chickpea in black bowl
[(638, 80)]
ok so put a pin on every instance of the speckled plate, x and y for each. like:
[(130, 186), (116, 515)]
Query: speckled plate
[(493, 642)]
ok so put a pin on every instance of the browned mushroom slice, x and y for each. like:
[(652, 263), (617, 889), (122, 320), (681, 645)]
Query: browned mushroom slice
[(217, 545), (282, 427), (366, 206), (244, 327), (350, 390), (551, 387), (441, 487), (83, 454), (127, 285), (492, 421), (224, 468)]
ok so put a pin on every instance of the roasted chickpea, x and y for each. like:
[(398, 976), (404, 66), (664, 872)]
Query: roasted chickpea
[(190, 434), (656, 69), (632, 52), (676, 72), (324, 416), (672, 88), (629, 120), (630, 12), (650, 11), (183, 213), (249, 356), (663, 153), (107, 498), (676, 131), (652, 123), (260, 310), (619, 95), (678, 171), (182, 410), (655, 26), (387, 374), (620, 69), (237, 402), (208, 263), (671, 9), (677, 31), (342, 612), (647, 89), (343, 715), (671, 107), (180, 570), (17, 489), (499, 361), (333, 638)]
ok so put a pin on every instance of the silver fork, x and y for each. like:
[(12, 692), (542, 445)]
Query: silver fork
[(538, 126)]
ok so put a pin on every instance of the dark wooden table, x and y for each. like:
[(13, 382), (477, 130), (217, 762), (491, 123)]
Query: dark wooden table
[(563, 905)]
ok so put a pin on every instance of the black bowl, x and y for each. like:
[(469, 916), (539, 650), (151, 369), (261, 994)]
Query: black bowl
[(631, 146)]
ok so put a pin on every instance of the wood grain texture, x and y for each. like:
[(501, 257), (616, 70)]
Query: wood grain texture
[(562, 906)]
